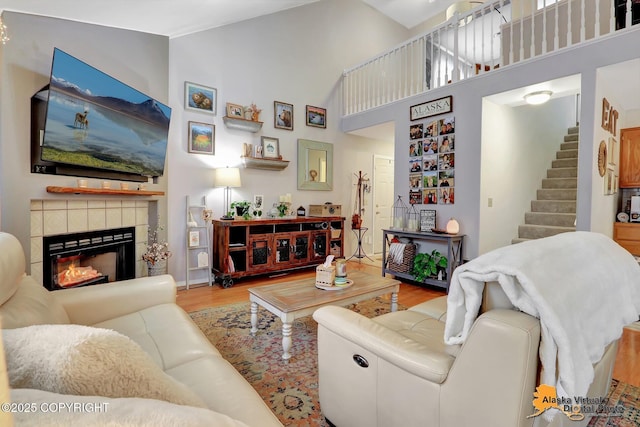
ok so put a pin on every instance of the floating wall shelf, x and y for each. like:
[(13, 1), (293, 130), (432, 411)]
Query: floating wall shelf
[(242, 124), (102, 191), (270, 164)]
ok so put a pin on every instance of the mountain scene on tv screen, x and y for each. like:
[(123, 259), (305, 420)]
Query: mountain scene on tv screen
[(96, 121)]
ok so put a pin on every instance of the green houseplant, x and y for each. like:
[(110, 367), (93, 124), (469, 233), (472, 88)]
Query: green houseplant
[(426, 265), (242, 209)]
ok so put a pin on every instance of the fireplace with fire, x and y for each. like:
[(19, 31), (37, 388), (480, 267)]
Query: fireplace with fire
[(88, 258)]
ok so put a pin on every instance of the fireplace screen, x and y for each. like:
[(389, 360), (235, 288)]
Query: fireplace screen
[(88, 258)]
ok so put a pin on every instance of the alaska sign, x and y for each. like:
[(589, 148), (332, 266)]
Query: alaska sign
[(431, 108)]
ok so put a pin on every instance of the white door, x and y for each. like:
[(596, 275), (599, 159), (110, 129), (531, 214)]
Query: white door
[(382, 198)]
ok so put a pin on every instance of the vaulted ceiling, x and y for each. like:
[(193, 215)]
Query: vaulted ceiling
[(177, 18)]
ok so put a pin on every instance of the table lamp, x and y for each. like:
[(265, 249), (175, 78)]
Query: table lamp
[(227, 178)]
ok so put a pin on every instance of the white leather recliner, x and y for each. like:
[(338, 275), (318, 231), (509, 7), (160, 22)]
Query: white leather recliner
[(396, 370)]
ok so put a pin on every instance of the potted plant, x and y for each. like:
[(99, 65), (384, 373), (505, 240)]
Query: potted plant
[(427, 265), (242, 209), (157, 253)]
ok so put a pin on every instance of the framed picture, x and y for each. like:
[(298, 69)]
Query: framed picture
[(613, 151), (200, 98), (270, 148), (282, 115), (235, 110), (202, 138), (194, 238), (431, 108), (316, 117), (427, 220), (258, 201)]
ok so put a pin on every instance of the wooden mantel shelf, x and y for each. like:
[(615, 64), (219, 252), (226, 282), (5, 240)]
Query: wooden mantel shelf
[(102, 191)]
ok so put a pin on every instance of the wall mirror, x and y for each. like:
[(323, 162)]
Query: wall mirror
[(315, 165)]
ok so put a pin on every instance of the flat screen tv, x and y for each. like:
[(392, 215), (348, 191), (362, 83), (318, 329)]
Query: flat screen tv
[(96, 121)]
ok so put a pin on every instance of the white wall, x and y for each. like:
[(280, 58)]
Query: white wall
[(296, 56), (138, 59), (467, 103), (631, 119), (605, 206), (518, 146)]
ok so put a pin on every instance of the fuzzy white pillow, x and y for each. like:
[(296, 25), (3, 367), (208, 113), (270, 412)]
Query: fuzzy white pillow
[(86, 361)]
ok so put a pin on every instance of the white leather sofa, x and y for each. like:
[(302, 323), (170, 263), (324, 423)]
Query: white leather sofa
[(144, 310), (395, 370)]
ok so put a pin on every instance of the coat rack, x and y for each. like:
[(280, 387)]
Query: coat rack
[(356, 218)]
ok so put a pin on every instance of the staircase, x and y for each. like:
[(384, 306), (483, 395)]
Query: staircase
[(554, 211)]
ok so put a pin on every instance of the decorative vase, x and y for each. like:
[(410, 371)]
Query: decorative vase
[(160, 267)]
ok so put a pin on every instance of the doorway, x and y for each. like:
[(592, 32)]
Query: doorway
[(383, 167)]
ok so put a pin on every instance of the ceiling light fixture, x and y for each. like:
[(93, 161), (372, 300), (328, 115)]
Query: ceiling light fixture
[(539, 97)]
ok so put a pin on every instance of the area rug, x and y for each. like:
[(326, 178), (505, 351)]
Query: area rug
[(627, 398), (291, 390)]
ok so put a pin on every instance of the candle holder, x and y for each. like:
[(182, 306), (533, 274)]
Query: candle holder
[(413, 219), (398, 214)]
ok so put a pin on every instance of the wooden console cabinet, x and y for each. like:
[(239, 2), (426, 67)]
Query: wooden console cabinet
[(630, 158), (248, 248), (627, 235)]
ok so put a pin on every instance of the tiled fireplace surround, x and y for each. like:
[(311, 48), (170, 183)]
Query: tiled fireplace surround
[(50, 217)]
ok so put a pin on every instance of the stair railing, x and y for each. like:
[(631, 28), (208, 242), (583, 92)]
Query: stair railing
[(494, 34)]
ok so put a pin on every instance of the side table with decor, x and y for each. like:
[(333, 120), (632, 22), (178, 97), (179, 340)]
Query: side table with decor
[(420, 242)]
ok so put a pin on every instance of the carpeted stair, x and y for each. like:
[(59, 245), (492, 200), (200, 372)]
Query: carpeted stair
[(554, 211)]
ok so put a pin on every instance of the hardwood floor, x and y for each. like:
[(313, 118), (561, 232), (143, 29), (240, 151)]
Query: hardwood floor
[(626, 368)]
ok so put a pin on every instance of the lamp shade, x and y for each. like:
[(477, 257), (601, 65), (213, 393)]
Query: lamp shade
[(227, 177)]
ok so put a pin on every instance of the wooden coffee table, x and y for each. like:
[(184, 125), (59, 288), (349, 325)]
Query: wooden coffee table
[(299, 298)]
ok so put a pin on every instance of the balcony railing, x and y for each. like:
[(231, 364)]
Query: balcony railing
[(494, 34)]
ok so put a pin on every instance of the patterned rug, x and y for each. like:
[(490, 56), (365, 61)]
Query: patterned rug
[(621, 395), (291, 390)]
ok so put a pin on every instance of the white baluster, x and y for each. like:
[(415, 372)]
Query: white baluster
[(628, 15), (556, 30), (492, 63), (521, 30), (612, 19), (482, 50), (466, 48), (533, 26), (569, 35), (455, 72), (544, 27), (582, 21), (596, 31)]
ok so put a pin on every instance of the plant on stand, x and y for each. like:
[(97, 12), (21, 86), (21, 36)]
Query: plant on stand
[(427, 265), (157, 253)]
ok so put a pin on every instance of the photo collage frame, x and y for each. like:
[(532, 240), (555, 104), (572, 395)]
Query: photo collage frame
[(432, 150)]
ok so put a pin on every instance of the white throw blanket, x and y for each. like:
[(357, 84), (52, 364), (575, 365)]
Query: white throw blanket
[(396, 252), (582, 286)]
